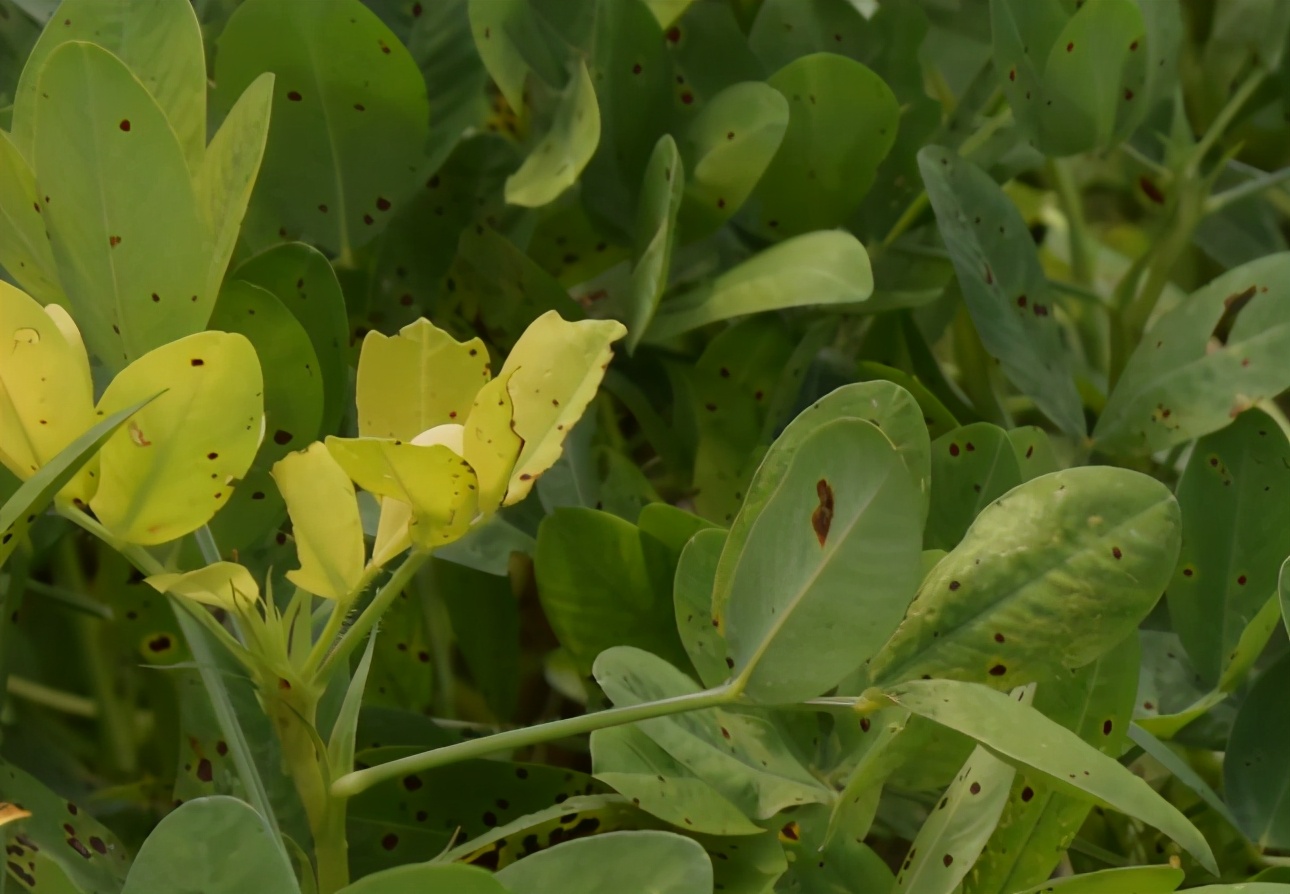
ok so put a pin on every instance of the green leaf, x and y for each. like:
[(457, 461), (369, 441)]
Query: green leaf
[(1048, 578), (24, 247), (1182, 771), (692, 592), (427, 879), (115, 188), (1257, 789), (426, 812), (727, 147), (293, 405), (655, 234), (227, 174), (628, 761), (818, 269), (1236, 533), (972, 466), (949, 843), (1283, 592), (174, 465), (1138, 879), (215, 845), (826, 566), (485, 617), (659, 862), (1034, 451), (1003, 284), (350, 118), (838, 865), (623, 599), (633, 73), (341, 743), (160, 42), (727, 390), (1025, 738), (1178, 385), (883, 404), (497, 26), (67, 836), (558, 158), (1095, 702), (842, 123), (1078, 82), (303, 280), (741, 755)]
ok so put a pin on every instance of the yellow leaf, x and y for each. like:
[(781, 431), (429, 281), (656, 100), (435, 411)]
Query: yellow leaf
[(555, 368), (490, 445), (324, 520), (435, 481), (392, 535), (168, 470), (224, 585), (10, 813), (46, 397), (416, 380)]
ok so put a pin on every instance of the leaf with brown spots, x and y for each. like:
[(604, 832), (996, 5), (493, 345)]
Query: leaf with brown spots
[(1236, 534), (1178, 386), (329, 61), (821, 571), (1036, 566), (112, 201), (1025, 738), (1038, 821)]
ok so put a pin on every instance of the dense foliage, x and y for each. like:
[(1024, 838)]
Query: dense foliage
[(672, 446)]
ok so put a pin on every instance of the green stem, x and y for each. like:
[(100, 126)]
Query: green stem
[(55, 699), (335, 621), (1072, 205), (1220, 123), (360, 781), (1251, 188), (353, 637), (294, 713)]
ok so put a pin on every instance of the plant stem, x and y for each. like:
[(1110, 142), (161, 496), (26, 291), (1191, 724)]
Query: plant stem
[(335, 621), (1221, 121), (55, 699), (1072, 205), (353, 783), (1246, 190), (357, 632)]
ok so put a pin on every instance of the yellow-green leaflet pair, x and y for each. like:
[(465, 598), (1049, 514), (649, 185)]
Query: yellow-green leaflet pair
[(168, 470), (443, 444)]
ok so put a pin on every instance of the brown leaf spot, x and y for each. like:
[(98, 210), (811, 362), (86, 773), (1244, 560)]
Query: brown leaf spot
[(294, 96), (822, 517), (125, 125)]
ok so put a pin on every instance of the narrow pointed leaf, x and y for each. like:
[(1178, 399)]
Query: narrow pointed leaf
[(1022, 736)]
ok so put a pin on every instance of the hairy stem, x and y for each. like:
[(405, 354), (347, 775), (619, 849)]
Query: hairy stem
[(353, 637)]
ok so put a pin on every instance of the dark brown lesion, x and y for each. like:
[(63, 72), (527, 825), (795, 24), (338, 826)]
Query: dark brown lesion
[(822, 517)]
